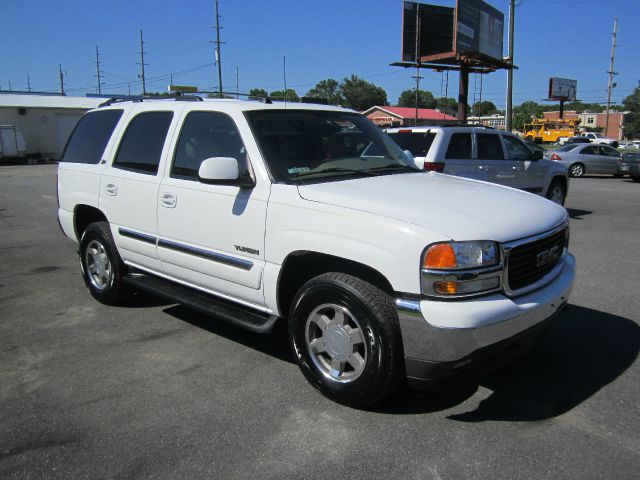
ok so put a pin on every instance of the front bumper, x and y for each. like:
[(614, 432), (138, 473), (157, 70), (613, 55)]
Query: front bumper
[(454, 339)]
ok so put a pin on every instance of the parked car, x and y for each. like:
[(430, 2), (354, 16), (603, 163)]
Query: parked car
[(586, 159), (577, 139), (598, 138), (632, 161), (629, 145), (536, 147), (562, 140), (486, 154), (254, 212)]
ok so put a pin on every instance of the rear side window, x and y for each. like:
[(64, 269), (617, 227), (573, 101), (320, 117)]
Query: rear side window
[(418, 143), (141, 146), (459, 146), (90, 137), (489, 147), (205, 135), (592, 150)]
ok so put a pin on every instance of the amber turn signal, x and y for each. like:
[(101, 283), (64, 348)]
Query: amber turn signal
[(441, 255)]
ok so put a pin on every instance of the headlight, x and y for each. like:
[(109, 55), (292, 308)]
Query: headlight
[(451, 269), (460, 255)]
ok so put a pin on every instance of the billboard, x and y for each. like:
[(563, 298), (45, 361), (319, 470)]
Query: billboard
[(479, 28), (562, 89), (434, 26)]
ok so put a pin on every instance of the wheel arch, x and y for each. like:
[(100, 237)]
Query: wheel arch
[(83, 215), (301, 266)]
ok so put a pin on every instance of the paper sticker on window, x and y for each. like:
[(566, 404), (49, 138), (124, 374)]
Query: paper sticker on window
[(298, 169)]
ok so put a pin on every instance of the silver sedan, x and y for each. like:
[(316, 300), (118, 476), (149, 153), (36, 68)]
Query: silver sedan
[(587, 158)]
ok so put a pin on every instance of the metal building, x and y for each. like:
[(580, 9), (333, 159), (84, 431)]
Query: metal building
[(45, 121)]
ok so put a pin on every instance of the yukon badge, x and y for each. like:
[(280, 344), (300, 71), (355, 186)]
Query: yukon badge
[(251, 251)]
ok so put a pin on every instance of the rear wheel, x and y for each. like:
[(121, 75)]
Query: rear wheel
[(576, 170), (556, 192), (102, 267), (345, 336), (635, 179)]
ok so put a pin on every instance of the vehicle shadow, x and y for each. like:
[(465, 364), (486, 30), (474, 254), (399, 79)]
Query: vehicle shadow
[(275, 344), (577, 214), (582, 351)]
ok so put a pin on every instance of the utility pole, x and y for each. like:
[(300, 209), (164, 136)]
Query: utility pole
[(417, 79), (98, 71), (509, 113), (62, 74), (284, 76), (142, 64), (28, 84), (611, 73), (237, 83), (217, 42), (418, 57)]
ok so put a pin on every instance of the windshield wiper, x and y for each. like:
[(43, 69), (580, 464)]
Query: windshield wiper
[(396, 166), (334, 170)]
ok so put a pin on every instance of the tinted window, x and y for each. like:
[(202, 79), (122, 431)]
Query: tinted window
[(592, 150), (489, 147), (205, 135), (90, 137), (568, 148), (142, 143), (517, 150), (459, 146), (418, 143), (609, 152)]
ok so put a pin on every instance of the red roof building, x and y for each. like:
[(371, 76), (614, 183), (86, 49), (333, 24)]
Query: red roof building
[(404, 116)]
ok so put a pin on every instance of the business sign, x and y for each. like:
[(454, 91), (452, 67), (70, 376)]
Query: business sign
[(562, 89), (479, 28), (428, 26)]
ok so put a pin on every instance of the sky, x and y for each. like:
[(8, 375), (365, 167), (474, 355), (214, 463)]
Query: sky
[(319, 38)]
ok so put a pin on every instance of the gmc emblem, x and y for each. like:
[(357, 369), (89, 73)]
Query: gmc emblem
[(548, 256)]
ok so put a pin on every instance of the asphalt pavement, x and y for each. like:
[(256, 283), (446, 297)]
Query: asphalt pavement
[(155, 390)]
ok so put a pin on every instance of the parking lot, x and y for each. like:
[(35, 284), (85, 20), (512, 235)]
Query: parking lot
[(156, 390)]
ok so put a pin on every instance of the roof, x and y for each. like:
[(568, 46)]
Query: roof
[(48, 101), (407, 112)]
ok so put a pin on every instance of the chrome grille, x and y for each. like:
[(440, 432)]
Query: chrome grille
[(530, 262)]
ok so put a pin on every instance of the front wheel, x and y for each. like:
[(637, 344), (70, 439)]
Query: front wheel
[(346, 339), (556, 192), (102, 268), (576, 170)]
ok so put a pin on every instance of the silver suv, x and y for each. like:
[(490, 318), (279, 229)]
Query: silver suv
[(486, 154)]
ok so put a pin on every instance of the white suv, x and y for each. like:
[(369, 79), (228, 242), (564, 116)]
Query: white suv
[(257, 212), (484, 153)]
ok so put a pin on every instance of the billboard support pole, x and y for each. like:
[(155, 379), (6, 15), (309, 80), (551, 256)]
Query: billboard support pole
[(561, 116), (463, 92), (509, 112)]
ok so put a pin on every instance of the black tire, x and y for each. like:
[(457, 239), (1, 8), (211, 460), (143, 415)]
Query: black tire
[(102, 267), (618, 175), (380, 347), (635, 179), (528, 138), (576, 170), (556, 192)]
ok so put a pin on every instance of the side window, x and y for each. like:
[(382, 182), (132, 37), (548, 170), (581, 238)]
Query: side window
[(418, 143), (489, 147), (609, 152), (516, 149), (90, 137), (205, 135), (142, 143), (592, 150), (459, 146)]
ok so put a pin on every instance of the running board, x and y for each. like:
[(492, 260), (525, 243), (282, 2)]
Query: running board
[(204, 303)]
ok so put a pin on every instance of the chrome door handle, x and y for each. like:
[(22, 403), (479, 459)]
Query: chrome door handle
[(514, 168), (111, 189), (168, 200), (480, 167)]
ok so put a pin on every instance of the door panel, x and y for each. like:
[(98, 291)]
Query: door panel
[(492, 164), (528, 174), (459, 156), (609, 159)]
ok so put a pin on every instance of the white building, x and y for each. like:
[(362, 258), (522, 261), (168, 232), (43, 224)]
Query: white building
[(496, 121), (45, 121)]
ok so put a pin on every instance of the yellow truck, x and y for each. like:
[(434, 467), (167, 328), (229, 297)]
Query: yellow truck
[(549, 131)]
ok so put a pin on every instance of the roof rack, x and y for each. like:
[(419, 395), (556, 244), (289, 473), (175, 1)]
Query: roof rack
[(178, 97)]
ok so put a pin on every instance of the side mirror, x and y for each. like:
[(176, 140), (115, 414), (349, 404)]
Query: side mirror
[(223, 171), (537, 155)]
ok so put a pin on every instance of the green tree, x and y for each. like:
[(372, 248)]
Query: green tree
[(484, 108), (255, 93), (523, 114), (447, 105), (289, 95), (425, 99), (328, 90), (360, 95), (632, 119)]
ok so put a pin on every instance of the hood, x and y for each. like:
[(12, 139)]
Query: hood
[(455, 207)]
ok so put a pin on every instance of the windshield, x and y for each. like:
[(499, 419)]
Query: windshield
[(418, 143), (566, 148), (313, 144)]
